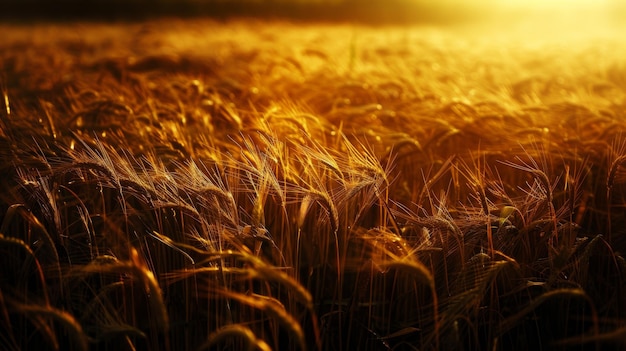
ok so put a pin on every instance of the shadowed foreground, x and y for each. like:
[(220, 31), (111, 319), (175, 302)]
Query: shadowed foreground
[(194, 185)]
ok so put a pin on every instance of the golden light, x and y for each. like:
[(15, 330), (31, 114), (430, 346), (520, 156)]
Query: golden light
[(578, 10), (572, 3), (554, 3), (534, 4), (542, 12), (535, 18)]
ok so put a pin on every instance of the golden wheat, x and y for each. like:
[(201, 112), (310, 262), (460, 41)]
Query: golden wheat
[(266, 185)]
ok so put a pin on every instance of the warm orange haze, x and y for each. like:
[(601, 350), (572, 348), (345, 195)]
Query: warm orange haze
[(313, 175)]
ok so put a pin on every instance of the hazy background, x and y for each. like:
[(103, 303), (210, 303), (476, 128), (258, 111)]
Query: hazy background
[(383, 11)]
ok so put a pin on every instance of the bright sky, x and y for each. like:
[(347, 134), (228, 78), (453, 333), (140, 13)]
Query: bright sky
[(544, 2), (543, 18), (562, 4), (555, 2), (533, 4)]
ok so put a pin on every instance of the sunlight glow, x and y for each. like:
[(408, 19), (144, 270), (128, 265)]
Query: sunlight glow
[(514, 10), (541, 16), (562, 4)]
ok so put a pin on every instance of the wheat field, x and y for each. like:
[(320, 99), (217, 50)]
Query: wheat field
[(271, 185)]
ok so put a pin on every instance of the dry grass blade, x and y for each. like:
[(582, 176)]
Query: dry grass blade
[(445, 167), (533, 168), (73, 329), (610, 181), (35, 226), (266, 272), (413, 269), (469, 288), (513, 320), (7, 106), (423, 275), (8, 337), (22, 267), (305, 206), (325, 200), (274, 309), (250, 341), (171, 244), (137, 269), (615, 165), (615, 338)]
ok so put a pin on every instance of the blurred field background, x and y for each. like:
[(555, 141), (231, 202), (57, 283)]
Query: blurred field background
[(336, 175), (373, 11)]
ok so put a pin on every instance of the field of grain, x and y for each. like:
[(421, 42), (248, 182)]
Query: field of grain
[(270, 185)]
